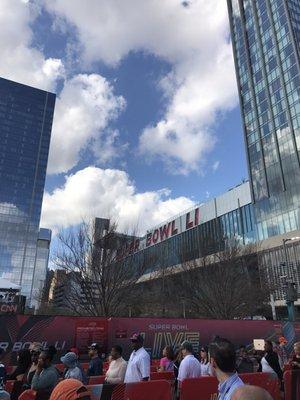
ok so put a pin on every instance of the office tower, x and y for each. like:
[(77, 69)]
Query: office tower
[(26, 117), (265, 38)]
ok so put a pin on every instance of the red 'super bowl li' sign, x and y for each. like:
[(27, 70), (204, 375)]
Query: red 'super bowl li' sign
[(161, 233)]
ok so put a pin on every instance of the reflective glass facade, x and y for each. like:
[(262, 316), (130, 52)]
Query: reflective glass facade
[(204, 239), (25, 127), (265, 37)]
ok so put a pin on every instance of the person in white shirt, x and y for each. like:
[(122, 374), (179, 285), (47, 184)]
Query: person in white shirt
[(117, 367), (138, 368), (190, 367)]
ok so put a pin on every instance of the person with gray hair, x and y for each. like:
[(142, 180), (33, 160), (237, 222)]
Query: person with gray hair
[(190, 367), (249, 392), (70, 361)]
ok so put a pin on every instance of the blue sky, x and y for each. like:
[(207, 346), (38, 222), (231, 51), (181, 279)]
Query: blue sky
[(147, 119)]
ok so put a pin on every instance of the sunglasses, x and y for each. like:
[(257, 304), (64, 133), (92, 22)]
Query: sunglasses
[(203, 350)]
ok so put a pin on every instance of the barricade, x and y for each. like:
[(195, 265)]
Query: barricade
[(28, 395), (160, 376), (96, 380), (158, 390), (208, 386), (291, 384)]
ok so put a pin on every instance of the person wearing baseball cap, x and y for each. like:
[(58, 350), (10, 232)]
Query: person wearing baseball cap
[(138, 368), (96, 365)]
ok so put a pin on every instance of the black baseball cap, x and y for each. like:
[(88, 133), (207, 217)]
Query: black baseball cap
[(94, 346)]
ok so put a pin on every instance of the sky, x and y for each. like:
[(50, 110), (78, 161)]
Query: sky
[(147, 121)]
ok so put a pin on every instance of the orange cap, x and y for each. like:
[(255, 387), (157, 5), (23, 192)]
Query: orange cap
[(69, 389)]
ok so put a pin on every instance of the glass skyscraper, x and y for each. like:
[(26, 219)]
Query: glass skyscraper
[(265, 38), (26, 116)]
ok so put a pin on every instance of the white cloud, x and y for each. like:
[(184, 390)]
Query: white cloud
[(83, 110), (19, 60), (215, 165), (108, 193), (193, 39)]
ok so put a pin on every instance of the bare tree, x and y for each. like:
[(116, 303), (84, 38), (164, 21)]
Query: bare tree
[(226, 285), (99, 283)]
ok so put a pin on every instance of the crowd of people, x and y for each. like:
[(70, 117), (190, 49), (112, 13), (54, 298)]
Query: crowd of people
[(35, 368)]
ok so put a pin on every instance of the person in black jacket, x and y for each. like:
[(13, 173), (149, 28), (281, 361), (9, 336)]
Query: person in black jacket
[(270, 361), (23, 365), (95, 366), (244, 364)]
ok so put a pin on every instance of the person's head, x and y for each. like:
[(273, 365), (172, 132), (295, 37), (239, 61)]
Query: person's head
[(282, 341), (24, 358), (69, 360), (45, 359), (268, 346), (222, 357), (70, 389), (186, 348), (35, 350), (242, 351), (116, 352), (168, 352), (94, 350), (297, 348), (178, 355), (52, 351), (204, 353), (137, 341), (248, 392)]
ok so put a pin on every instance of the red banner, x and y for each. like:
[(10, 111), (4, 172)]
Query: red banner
[(159, 333), (19, 331)]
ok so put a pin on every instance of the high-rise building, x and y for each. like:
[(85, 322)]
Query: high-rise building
[(26, 116), (265, 38)]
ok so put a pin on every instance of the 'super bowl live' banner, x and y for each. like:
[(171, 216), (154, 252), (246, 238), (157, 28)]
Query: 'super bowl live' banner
[(19, 331)]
